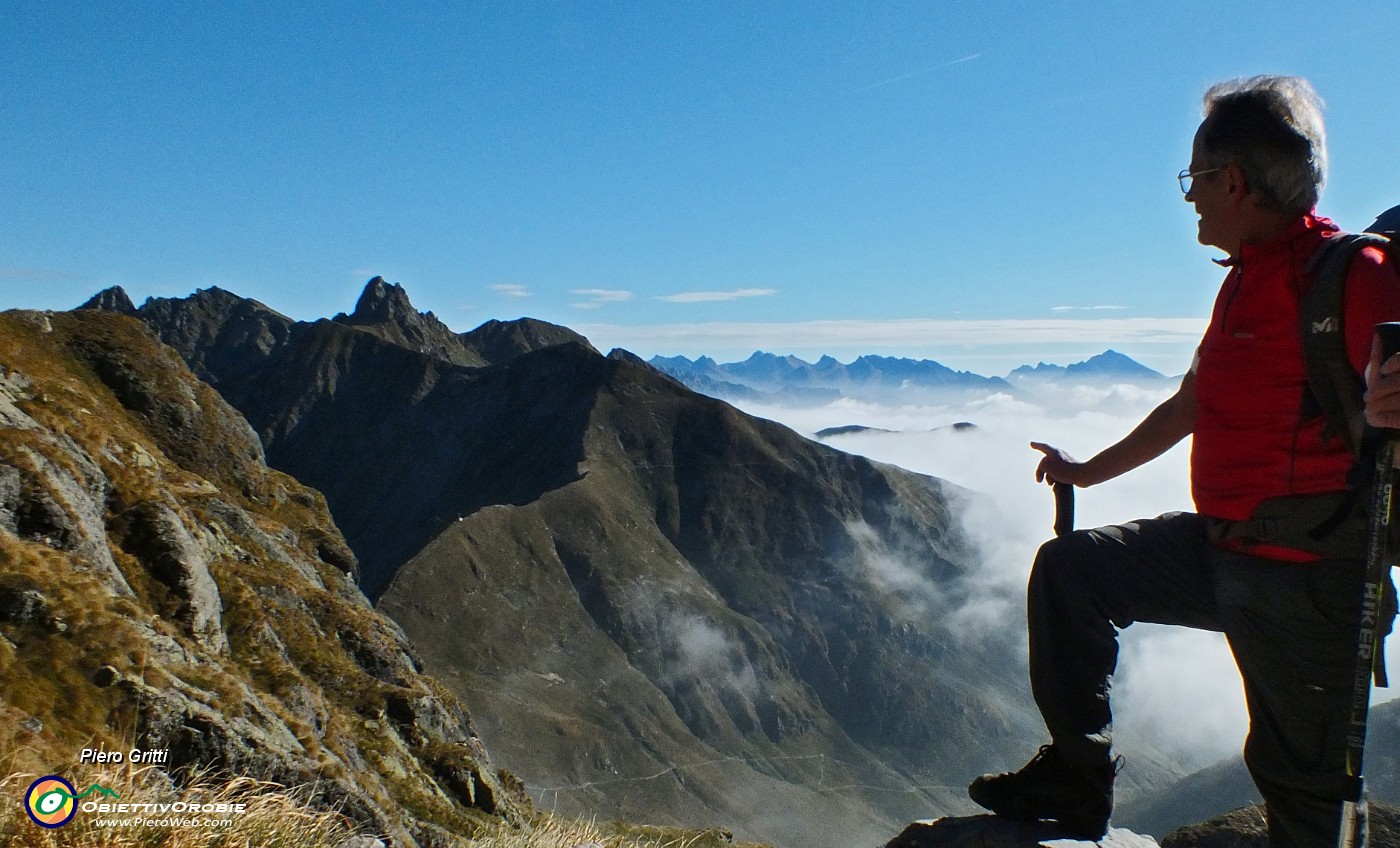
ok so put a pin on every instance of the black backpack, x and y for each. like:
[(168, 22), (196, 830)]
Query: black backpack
[(1334, 388)]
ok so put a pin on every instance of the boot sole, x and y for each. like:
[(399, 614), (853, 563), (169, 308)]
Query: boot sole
[(1092, 829), (1092, 826)]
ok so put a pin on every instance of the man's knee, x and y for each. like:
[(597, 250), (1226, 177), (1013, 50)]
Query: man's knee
[(1059, 560)]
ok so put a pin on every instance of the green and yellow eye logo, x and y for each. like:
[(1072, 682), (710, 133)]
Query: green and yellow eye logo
[(52, 801)]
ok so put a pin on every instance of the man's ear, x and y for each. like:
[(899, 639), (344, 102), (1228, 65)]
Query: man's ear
[(1235, 183)]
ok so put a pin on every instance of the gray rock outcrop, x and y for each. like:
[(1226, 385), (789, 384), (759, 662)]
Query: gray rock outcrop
[(158, 537)]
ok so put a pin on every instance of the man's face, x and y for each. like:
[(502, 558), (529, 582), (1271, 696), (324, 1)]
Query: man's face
[(1210, 193)]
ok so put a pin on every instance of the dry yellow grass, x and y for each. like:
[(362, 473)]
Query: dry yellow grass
[(562, 833)]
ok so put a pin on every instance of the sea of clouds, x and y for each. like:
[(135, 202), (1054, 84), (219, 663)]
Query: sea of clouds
[(1175, 686)]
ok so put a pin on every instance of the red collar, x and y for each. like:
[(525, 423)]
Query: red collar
[(1309, 225)]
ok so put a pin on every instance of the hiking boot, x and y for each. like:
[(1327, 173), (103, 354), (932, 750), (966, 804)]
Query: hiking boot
[(1078, 798)]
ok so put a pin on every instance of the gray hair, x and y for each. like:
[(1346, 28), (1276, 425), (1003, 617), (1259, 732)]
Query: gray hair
[(1271, 127)]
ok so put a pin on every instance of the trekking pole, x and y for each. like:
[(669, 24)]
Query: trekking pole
[(1353, 827), (1064, 508)]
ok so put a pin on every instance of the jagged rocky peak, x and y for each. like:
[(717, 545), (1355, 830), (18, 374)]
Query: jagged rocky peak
[(384, 310), (112, 299), (382, 301)]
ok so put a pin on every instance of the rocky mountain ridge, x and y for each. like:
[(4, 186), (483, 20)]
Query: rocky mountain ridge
[(162, 588)]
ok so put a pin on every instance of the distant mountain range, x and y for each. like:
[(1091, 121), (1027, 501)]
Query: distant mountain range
[(791, 380)]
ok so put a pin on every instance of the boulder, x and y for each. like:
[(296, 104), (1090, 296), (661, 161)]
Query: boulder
[(990, 831), (1247, 828)]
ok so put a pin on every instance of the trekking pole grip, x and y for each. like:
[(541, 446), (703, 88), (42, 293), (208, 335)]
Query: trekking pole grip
[(1064, 505)]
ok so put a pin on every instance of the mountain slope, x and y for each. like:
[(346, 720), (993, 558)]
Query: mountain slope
[(161, 588), (674, 604), (404, 444)]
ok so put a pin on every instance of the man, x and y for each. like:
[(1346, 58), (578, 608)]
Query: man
[(1288, 604)]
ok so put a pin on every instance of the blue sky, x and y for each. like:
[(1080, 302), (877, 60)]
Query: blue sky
[(982, 183)]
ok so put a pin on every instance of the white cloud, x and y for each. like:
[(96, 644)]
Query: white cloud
[(903, 586), (705, 652), (608, 295), (598, 297), (716, 296), (511, 290)]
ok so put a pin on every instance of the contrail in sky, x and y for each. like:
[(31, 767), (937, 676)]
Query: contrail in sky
[(919, 73)]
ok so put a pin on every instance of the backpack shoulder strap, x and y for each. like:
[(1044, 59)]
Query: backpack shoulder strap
[(1334, 387)]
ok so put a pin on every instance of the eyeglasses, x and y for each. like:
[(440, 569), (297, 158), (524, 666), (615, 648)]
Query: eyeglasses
[(1185, 177)]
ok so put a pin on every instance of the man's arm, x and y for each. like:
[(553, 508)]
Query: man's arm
[(1173, 420)]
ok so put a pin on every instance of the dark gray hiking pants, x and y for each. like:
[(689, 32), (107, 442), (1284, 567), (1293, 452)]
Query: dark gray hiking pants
[(1292, 628)]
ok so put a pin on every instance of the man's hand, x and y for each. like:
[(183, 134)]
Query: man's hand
[(1060, 467), (1383, 390)]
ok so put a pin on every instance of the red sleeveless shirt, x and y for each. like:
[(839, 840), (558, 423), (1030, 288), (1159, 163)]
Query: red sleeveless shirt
[(1250, 440)]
